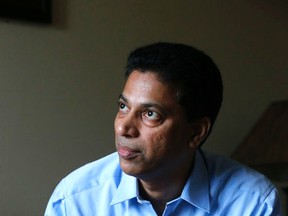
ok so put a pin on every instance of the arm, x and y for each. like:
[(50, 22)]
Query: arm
[(270, 206), (55, 208), (56, 205)]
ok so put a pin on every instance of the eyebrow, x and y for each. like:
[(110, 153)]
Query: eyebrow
[(146, 105), (122, 97)]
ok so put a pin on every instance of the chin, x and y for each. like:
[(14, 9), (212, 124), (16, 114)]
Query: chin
[(129, 168)]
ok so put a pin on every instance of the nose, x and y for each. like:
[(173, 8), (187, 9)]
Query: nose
[(126, 126)]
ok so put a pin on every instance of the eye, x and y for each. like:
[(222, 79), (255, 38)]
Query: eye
[(122, 107), (151, 115)]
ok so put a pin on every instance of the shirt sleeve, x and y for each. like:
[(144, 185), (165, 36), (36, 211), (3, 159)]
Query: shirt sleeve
[(271, 205), (55, 209), (56, 203)]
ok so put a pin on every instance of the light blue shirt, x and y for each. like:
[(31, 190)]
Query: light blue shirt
[(217, 186)]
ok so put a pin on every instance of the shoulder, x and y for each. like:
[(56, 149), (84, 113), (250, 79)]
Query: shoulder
[(102, 168), (239, 190), (227, 175), (90, 176)]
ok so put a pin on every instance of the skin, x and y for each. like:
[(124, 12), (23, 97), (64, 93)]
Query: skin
[(154, 140)]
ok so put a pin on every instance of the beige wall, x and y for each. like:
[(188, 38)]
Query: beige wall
[(59, 83)]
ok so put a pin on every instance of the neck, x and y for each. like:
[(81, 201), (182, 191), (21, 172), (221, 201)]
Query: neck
[(159, 191)]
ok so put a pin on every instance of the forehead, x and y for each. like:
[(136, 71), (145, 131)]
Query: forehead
[(140, 85)]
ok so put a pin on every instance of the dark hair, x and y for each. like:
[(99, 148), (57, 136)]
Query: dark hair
[(191, 70)]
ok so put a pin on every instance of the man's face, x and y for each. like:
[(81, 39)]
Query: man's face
[(151, 131)]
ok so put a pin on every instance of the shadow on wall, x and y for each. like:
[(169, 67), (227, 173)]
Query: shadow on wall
[(277, 8), (59, 16)]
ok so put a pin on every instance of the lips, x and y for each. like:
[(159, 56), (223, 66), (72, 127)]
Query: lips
[(127, 153)]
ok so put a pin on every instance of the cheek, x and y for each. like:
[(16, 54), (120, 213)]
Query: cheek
[(171, 138), (157, 138), (158, 142)]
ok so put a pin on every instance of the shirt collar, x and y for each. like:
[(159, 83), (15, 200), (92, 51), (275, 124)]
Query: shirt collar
[(127, 189), (196, 190)]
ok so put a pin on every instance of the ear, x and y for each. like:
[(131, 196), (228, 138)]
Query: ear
[(200, 130)]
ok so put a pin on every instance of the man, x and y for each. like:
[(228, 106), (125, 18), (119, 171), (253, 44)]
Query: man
[(169, 104)]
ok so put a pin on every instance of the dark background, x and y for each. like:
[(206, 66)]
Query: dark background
[(27, 10)]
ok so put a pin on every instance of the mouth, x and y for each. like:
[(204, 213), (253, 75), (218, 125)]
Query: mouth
[(126, 152)]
